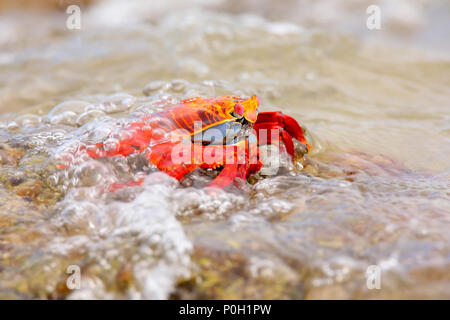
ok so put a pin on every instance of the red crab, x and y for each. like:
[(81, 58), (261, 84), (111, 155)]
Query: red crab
[(222, 133)]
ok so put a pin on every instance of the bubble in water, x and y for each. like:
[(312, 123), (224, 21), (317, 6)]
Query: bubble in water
[(192, 201), (66, 117), (178, 85), (12, 126), (77, 106), (111, 144), (29, 120), (91, 173), (96, 131), (155, 87), (89, 116), (118, 102), (81, 215)]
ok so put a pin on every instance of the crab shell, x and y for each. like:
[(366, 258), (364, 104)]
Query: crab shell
[(193, 117), (206, 113)]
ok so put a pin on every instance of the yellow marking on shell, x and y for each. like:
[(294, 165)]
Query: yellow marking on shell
[(250, 108), (225, 106)]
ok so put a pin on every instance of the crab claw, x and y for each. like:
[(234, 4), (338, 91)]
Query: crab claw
[(288, 128)]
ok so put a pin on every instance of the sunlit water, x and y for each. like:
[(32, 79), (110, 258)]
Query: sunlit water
[(375, 190)]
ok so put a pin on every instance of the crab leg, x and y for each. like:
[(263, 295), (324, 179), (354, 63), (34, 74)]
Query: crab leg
[(243, 163), (136, 138), (230, 173)]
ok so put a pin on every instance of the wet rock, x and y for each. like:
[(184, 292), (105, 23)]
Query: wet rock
[(7, 159), (17, 178), (125, 277), (234, 275), (31, 188), (312, 169), (10, 156), (331, 292)]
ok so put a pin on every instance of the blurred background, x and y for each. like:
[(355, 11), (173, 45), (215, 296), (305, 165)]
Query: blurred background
[(411, 22)]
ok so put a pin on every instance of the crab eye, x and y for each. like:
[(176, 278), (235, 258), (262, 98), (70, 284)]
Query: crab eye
[(238, 111)]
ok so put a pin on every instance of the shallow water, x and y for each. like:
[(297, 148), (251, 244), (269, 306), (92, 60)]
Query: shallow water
[(374, 191)]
